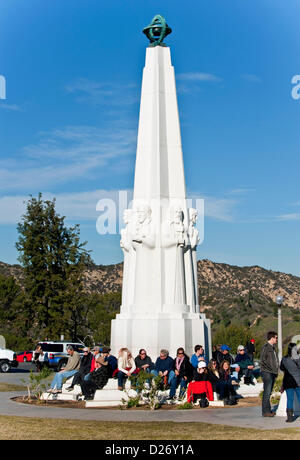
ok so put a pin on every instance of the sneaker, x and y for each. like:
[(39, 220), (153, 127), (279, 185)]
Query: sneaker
[(56, 392)]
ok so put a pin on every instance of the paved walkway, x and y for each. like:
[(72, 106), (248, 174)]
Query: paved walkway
[(242, 417)]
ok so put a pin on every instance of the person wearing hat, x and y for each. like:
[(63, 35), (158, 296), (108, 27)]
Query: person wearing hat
[(84, 369), (245, 364), (224, 355), (200, 387), (250, 348), (111, 360), (97, 379)]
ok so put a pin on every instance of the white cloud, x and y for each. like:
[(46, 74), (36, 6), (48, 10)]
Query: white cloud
[(289, 217), (251, 78), (65, 155), (112, 93), (223, 209), (198, 77), (76, 207), (11, 107)]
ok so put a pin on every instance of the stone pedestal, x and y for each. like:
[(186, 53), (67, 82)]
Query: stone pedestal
[(155, 333)]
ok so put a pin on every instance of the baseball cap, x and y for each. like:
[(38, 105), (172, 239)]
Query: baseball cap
[(201, 365), (225, 347), (240, 348)]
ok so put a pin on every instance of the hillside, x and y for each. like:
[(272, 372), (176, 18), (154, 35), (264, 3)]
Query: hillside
[(227, 294)]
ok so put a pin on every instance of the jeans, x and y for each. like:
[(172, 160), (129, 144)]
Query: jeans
[(269, 380), (121, 378), (176, 380), (224, 389), (57, 382), (290, 393)]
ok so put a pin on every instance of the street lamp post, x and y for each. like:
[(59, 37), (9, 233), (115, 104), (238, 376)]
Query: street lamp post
[(279, 301)]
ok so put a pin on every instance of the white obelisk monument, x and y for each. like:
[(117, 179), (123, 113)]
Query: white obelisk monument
[(159, 297)]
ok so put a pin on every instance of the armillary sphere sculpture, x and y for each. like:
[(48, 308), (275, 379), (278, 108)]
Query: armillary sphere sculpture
[(157, 31)]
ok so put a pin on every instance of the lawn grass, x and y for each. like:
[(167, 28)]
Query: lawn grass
[(15, 428), (11, 387)]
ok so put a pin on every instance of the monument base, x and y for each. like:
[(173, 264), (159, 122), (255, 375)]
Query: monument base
[(161, 331)]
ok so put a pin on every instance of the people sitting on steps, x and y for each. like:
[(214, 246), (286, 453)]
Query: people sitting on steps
[(183, 372), (198, 356), (246, 365), (164, 367), (70, 370), (224, 355), (98, 379), (200, 388), (112, 362), (225, 387), (143, 362), (84, 369), (126, 367)]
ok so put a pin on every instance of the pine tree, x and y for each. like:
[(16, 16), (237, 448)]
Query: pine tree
[(54, 261)]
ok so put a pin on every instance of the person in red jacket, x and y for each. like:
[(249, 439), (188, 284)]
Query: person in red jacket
[(200, 385)]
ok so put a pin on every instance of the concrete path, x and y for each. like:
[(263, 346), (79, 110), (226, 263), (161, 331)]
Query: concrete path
[(241, 417)]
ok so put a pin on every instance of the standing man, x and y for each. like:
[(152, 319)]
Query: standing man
[(269, 367)]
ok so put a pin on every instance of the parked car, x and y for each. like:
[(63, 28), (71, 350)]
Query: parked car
[(55, 353), (24, 356), (8, 359)]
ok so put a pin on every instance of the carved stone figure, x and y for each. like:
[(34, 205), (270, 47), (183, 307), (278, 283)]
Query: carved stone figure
[(143, 242), (194, 240), (129, 261), (174, 238)]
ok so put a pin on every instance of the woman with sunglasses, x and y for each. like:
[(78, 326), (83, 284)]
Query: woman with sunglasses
[(183, 374), (143, 361)]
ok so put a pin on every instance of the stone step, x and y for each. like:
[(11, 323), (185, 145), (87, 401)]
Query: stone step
[(58, 397)]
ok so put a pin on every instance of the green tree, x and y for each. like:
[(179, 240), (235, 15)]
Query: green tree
[(12, 313), (102, 309), (54, 260), (233, 336)]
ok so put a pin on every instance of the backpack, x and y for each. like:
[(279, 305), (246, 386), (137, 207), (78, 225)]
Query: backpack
[(203, 402)]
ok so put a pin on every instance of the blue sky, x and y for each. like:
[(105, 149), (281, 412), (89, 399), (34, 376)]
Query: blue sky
[(68, 125)]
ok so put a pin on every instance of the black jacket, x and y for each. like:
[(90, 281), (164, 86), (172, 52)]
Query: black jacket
[(203, 377), (289, 380), (220, 358), (269, 359), (141, 362), (99, 377), (213, 379), (85, 365), (186, 369)]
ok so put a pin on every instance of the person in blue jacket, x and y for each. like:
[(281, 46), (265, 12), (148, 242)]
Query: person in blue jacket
[(198, 356), (164, 366)]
